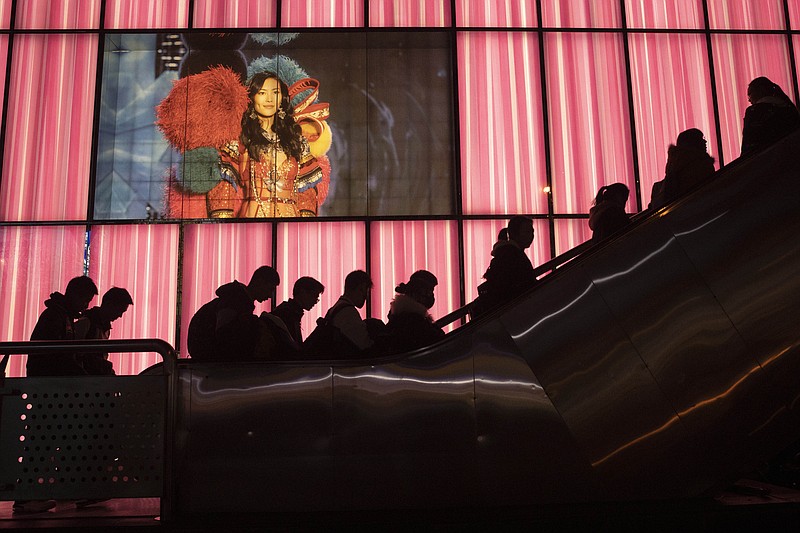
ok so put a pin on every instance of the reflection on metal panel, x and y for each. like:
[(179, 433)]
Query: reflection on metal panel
[(602, 388), (659, 365), (256, 433), (525, 452), (405, 431)]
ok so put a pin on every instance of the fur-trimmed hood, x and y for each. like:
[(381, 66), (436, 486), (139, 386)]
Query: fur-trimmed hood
[(403, 304)]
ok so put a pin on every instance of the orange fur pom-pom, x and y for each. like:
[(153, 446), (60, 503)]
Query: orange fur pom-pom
[(203, 110)]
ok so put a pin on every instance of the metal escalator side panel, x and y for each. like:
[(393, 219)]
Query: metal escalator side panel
[(405, 434), (603, 390), (690, 347), (525, 451), (747, 250), (259, 438)]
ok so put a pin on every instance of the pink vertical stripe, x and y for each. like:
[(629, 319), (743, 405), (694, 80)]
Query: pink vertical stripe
[(49, 131), (796, 42), (322, 13), (671, 93), (671, 14), (235, 13), (34, 262), (794, 16), (3, 64), (403, 247), (747, 15), (58, 14), (215, 254), (409, 13), (590, 138), (142, 259), (480, 236), (738, 59), (502, 160), (5, 14), (327, 252), (130, 14), (496, 13), (581, 14)]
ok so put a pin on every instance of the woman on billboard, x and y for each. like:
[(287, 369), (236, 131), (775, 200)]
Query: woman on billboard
[(248, 152)]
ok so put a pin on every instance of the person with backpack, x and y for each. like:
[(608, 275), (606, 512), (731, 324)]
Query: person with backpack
[(342, 333)]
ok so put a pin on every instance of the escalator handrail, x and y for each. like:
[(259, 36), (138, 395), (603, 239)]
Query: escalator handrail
[(636, 219)]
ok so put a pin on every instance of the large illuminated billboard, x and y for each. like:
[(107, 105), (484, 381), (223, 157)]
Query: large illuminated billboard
[(269, 125)]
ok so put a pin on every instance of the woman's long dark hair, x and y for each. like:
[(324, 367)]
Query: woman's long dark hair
[(287, 130)]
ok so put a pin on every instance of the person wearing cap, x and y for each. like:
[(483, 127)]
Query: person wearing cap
[(410, 325)]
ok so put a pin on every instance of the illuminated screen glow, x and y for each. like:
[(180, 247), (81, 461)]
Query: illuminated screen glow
[(377, 126)]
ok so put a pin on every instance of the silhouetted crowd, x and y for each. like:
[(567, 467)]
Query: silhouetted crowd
[(226, 328)]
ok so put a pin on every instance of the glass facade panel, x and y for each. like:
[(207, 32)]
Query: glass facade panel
[(409, 13), (672, 14), (58, 14), (671, 93), (581, 14), (215, 254), (327, 14), (496, 13), (234, 13), (502, 164), (590, 138), (35, 261), (48, 140), (130, 14), (308, 250), (398, 249), (739, 15), (144, 260), (570, 233), (738, 59)]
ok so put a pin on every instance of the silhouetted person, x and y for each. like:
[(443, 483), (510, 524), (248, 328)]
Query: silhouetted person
[(57, 323), (688, 164), (97, 322), (510, 271), (342, 333), (305, 295), (410, 326), (771, 115), (608, 214), (225, 329)]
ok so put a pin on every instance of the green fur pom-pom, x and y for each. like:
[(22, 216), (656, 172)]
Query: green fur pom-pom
[(199, 170)]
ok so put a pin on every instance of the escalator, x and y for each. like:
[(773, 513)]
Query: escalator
[(661, 364)]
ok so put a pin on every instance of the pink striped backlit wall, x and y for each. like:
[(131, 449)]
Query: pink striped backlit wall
[(515, 141), (234, 13), (49, 128)]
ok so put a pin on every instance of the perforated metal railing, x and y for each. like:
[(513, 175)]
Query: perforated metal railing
[(88, 436)]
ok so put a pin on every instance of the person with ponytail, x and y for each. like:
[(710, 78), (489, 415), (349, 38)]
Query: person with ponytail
[(771, 115), (608, 215), (510, 272)]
